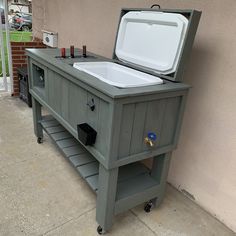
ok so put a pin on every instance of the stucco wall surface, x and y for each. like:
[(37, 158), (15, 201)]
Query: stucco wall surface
[(205, 162)]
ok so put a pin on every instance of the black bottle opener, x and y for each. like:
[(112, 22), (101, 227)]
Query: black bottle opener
[(91, 104)]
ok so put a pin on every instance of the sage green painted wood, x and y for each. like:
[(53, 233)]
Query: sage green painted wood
[(103, 146), (103, 132), (47, 118), (36, 83), (157, 168), (65, 85), (69, 128), (81, 159), (139, 183), (56, 129), (122, 119), (159, 116), (170, 121), (144, 155), (64, 101), (118, 192), (106, 194), (115, 133), (88, 169), (131, 201), (77, 105), (112, 143), (93, 182), (55, 97), (154, 119), (125, 172), (159, 172), (67, 143), (180, 118), (136, 143), (126, 130), (37, 116), (92, 116), (130, 171), (71, 151), (61, 135), (51, 124), (152, 97), (194, 20), (99, 119), (105, 91)]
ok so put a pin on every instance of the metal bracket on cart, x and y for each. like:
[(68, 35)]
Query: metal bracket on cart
[(100, 230)]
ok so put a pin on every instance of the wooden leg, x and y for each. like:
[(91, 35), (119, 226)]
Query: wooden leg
[(107, 186), (159, 172), (37, 116)]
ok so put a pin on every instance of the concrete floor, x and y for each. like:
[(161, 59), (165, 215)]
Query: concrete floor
[(41, 194), (2, 86)]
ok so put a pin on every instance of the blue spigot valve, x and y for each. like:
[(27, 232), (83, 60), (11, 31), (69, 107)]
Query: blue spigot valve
[(150, 139)]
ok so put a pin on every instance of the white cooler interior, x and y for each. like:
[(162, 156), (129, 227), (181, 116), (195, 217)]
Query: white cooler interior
[(117, 75)]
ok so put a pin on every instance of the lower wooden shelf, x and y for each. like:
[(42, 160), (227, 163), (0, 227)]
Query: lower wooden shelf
[(133, 178)]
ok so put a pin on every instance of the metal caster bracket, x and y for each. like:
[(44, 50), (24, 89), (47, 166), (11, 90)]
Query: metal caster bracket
[(39, 140), (148, 206), (100, 230)]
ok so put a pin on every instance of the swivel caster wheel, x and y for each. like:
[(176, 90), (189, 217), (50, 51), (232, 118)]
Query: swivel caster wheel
[(40, 140), (148, 206), (100, 230)]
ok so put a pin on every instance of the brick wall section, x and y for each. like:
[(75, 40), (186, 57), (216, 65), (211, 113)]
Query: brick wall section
[(19, 59)]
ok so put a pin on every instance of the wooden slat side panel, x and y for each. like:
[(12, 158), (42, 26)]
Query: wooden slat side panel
[(170, 122), (77, 104), (55, 97), (65, 84), (154, 120), (157, 116), (74, 109), (136, 145), (92, 116), (103, 130), (126, 130)]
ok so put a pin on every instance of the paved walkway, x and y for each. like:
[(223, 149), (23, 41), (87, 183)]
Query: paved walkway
[(2, 87), (41, 194)]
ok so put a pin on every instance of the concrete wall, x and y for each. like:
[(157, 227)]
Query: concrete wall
[(205, 161)]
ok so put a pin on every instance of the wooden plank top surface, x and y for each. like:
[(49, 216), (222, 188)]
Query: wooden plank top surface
[(50, 58)]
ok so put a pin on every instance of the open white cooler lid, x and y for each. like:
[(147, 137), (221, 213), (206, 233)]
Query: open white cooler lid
[(151, 39)]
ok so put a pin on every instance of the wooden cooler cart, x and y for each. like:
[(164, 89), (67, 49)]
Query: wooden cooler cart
[(105, 128)]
